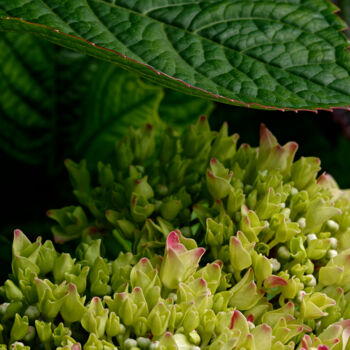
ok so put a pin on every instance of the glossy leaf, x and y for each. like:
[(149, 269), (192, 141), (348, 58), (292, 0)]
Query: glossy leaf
[(286, 54)]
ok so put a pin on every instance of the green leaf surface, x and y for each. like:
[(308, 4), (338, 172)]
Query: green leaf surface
[(116, 99), (27, 84), (78, 112), (286, 54)]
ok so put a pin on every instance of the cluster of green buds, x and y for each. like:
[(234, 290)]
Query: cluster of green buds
[(274, 273), (166, 302)]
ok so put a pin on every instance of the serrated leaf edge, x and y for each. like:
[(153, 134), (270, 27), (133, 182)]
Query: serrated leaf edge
[(214, 97)]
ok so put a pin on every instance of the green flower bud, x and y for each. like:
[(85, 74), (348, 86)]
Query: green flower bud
[(170, 208), (191, 319), (239, 256), (331, 275), (239, 322), (274, 281), (71, 223), (313, 306), (211, 273), (304, 171), (22, 246), (142, 188), (143, 275), (124, 306), (218, 180), (44, 330), (99, 277), (235, 200), (12, 291), (215, 233), (94, 320), (51, 297), (143, 143), (9, 310), (245, 294), (224, 146), (64, 264), (286, 230), (158, 319), (207, 325), (113, 325), (72, 309), (262, 268), (318, 213), (168, 147), (124, 153), (94, 343), (178, 263), (68, 343), (197, 139), (225, 341), (23, 266), (272, 155), (105, 175), (297, 248), (30, 335), (272, 317), (168, 342), (78, 277), (19, 346), (80, 178), (127, 227), (59, 333), (194, 337), (141, 209), (318, 248), (255, 313), (121, 268), (32, 312), (143, 343), (221, 301), (46, 258), (89, 252), (141, 326), (19, 328), (130, 343), (293, 287), (262, 336), (251, 224), (269, 205)]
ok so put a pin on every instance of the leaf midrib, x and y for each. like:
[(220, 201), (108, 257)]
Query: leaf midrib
[(232, 49)]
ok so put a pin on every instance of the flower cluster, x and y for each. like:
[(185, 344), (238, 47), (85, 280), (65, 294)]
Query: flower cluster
[(167, 302), (274, 275)]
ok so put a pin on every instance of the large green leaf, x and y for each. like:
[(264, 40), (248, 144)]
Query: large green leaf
[(116, 99), (287, 54), (27, 101), (56, 103)]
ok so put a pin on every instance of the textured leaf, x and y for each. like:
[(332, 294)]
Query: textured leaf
[(27, 80), (116, 100), (287, 54)]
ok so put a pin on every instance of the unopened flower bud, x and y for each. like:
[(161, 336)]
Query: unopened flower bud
[(19, 328), (178, 263), (44, 330)]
